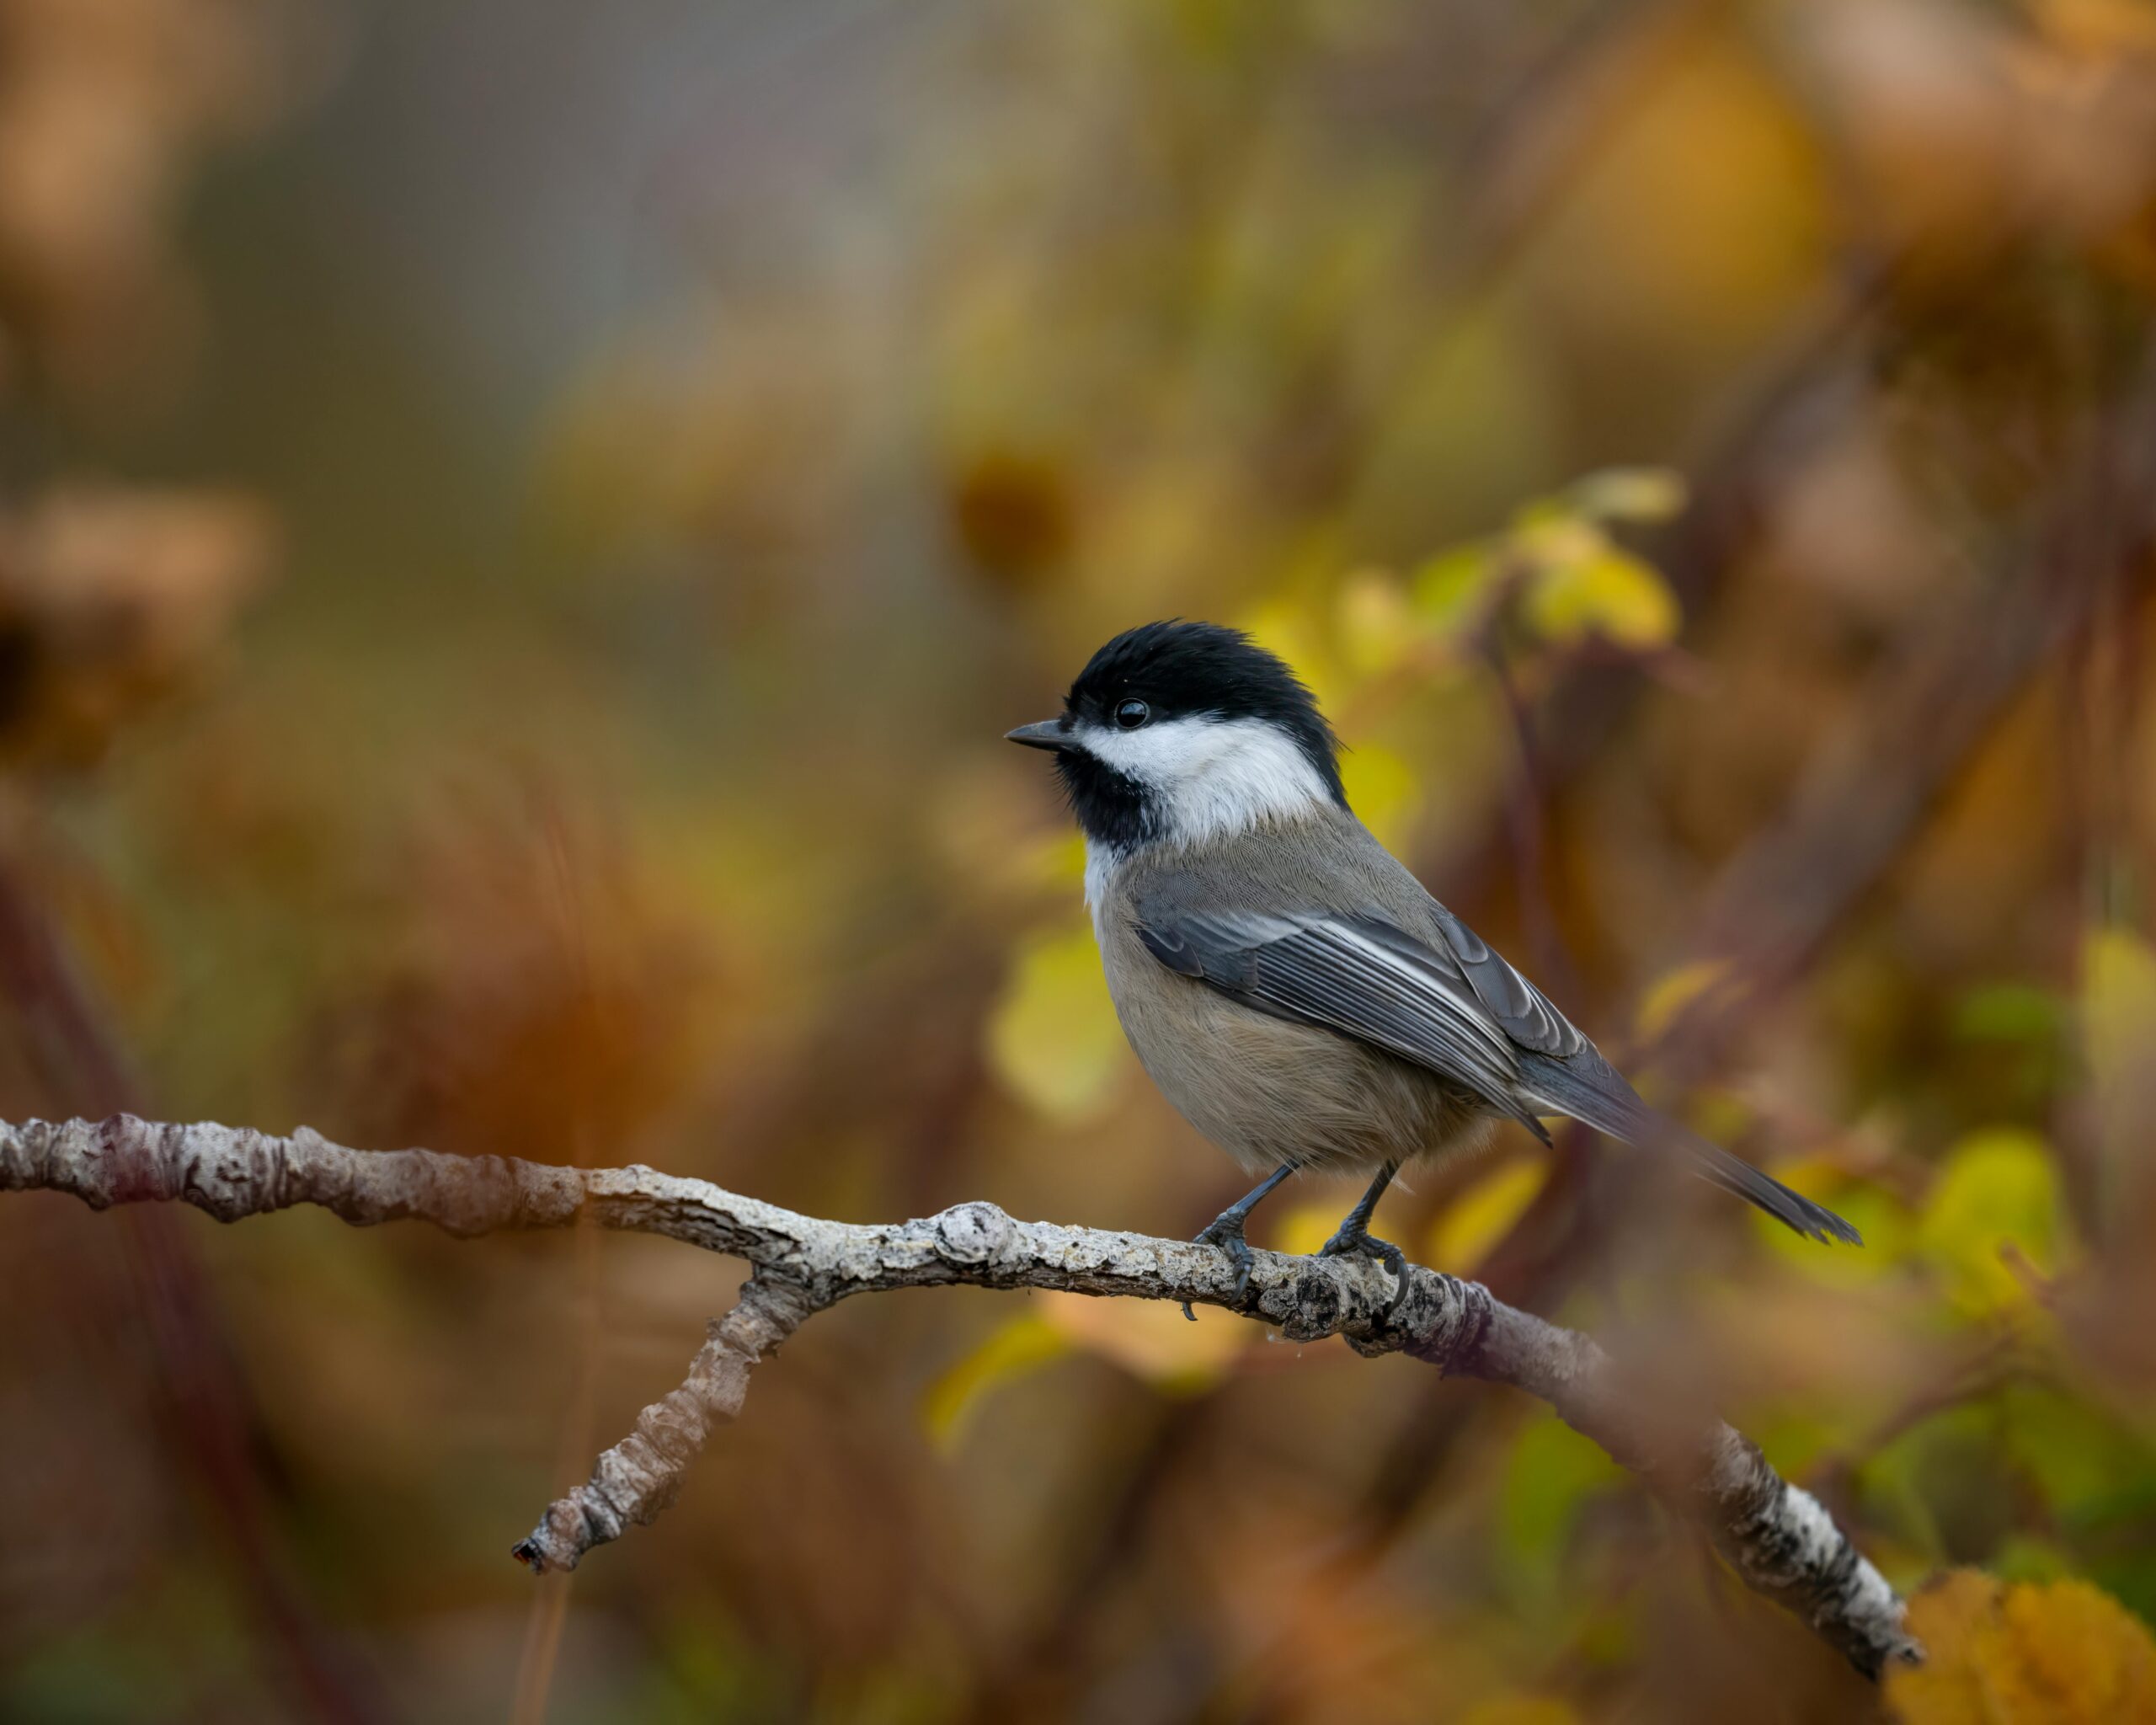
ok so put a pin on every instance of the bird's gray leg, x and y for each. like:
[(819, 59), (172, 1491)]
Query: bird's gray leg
[(1354, 1235), (1225, 1230)]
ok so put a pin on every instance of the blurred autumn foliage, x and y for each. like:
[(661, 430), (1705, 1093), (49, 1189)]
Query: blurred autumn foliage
[(111, 593), (2059, 1651), (524, 524)]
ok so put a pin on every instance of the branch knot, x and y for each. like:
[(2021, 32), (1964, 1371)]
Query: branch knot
[(971, 1233)]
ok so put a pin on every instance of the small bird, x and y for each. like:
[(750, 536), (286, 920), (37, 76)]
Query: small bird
[(1284, 980)]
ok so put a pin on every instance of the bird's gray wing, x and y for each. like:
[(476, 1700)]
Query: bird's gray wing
[(1520, 1008), (1451, 1006), (1358, 975)]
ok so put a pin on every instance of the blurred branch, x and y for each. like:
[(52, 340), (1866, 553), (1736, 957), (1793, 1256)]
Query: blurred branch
[(207, 1412), (1535, 142), (1868, 791), (1778, 1538), (1527, 814)]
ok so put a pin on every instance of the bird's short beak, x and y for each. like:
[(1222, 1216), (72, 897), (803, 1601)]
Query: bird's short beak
[(1049, 734)]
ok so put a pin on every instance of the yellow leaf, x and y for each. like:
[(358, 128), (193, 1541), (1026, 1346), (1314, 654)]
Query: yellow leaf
[(1376, 627), (2077, 1654), (1052, 1038), (1382, 791), (1947, 1618), (1666, 999), (1996, 1187), (1151, 1338), (1484, 1213), (2059, 1652), (2119, 996), (1014, 1347), (1148, 1338), (1549, 535), (2118, 1025), (1584, 585)]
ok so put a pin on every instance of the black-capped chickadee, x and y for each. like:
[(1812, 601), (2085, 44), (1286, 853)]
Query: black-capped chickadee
[(1289, 985)]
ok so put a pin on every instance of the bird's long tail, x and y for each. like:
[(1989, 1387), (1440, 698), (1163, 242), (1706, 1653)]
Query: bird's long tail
[(1589, 1088)]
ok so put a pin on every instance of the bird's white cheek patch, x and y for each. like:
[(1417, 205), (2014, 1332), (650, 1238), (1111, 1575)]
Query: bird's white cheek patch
[(1210, 777)]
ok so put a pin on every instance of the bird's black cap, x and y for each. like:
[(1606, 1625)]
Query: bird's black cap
[(1183, 670)]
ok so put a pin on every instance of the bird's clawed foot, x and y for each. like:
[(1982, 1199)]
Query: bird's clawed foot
[(1225, 1230), (1355, 1240)]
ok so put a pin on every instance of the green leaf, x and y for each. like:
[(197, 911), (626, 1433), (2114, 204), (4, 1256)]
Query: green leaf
[(1996, 1187), (2007, 1012), (1552, 1471), (2084, 1460), (1873, 1211), (1052, 1038)]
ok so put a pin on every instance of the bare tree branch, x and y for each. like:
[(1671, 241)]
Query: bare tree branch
[(639, 1477), (1778, 1538)]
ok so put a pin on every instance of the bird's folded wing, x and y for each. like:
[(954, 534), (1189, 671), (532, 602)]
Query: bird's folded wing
[(1360, 977), (1520, 1008), (1451, 1006)]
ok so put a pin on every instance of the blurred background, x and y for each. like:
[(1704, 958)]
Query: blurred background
[(524, 523)]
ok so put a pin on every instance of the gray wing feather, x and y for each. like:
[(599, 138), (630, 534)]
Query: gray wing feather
[(1517, 1004), (1359, 976)]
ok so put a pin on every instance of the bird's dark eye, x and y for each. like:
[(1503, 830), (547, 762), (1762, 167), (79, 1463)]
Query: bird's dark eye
[(1131, 714)]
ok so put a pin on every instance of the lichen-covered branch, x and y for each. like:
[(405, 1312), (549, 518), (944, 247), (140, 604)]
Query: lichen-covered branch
[(1777, 1538), (639, 1477)]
